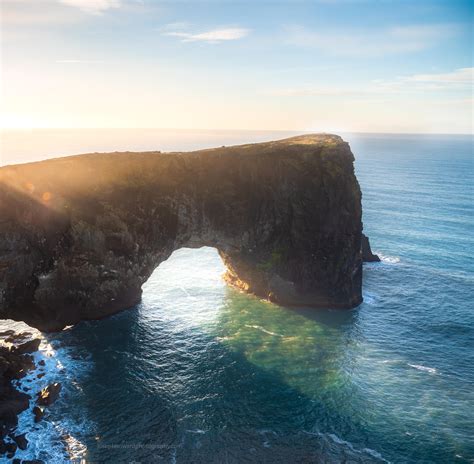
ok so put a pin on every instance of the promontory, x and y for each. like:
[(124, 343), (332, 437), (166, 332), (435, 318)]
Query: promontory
[(80, 235)]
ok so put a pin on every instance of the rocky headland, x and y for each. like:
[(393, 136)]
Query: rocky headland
[(80, 235)]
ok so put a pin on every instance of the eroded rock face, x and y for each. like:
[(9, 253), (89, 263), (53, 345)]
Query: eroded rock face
[(367, 255), (80, 235)]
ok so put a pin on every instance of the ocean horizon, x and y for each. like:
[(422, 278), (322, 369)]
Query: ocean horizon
[(28, 145)]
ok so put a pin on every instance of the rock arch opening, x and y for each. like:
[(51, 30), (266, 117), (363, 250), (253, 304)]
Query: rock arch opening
[(190, 281)]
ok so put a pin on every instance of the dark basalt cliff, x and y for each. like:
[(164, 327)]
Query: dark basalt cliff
[(80, 235)]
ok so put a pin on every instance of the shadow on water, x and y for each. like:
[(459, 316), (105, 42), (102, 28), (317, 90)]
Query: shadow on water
[(206, 403), (259, 383)]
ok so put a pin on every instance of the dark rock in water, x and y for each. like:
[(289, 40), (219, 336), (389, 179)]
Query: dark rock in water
[(32, 461), (38, 413), (41, 375), (16, 461), (367, 255), (12, 402), (21, 441), (11, 449), (28, 347), (41, 363), (80, 235), (49, 394)]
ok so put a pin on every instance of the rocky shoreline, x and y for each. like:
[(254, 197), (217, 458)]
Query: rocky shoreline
[(16, 361)]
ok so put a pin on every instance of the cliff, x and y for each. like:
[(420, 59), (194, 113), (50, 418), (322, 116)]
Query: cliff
[(80, 235)]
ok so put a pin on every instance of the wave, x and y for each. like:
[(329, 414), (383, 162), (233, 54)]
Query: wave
[(369, 451), (332, 437), (431, 370), (388, 259), (264, 330)]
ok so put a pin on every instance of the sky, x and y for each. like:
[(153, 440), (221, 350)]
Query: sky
[(326, 66)]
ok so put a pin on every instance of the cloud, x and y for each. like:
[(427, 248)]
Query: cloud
[(92, 6), (459, 76), (25, 12), (34, 12), (211, 36), (402, 39), (458, 80)]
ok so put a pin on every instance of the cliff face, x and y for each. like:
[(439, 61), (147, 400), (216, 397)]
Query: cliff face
[(80, 235)]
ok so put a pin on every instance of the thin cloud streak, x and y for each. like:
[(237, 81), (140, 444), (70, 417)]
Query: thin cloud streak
[(460, 79), (211, 36), (459, 76), (92, 6)]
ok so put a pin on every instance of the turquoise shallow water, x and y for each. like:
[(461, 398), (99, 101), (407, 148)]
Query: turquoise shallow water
[(200, 373)]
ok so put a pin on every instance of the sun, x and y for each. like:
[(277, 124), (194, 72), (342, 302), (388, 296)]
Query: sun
[(21, 121)]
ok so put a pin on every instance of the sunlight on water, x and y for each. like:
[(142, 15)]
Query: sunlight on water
[(192, 279), (292, 343)]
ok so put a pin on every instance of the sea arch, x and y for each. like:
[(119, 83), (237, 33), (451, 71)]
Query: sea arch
[(81, 235)]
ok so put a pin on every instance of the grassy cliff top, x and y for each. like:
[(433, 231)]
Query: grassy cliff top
[(307, 141)]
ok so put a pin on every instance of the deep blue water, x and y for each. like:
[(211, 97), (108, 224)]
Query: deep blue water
[(200, 373)]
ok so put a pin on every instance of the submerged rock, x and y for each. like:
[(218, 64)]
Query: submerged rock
[(11, 449), (80, 235)]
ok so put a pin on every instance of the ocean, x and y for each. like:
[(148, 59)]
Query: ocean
[(200, 373)]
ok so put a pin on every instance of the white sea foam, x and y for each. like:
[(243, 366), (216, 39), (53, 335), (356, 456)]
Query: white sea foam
[(374, 453), (369, 299), (369, 451), (388, 259), (431, 370), (263, 330), (339, 441)]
